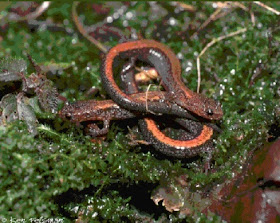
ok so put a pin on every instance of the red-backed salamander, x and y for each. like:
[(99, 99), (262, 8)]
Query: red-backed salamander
[(107, 110), (169, 69), (197, 142)]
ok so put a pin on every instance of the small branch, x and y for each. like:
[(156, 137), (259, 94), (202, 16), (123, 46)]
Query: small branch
[(39, 11), (30, 16), (267, 7), (224, 13), (240, 5), (211, 18), (186, 7), (81, 29), (147, 107), (208, 46), (252, 17)]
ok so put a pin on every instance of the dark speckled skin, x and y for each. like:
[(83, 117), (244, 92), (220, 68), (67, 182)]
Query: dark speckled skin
[(178, 100), (169, 69), (93, 110), (198, 139), (178, 151)]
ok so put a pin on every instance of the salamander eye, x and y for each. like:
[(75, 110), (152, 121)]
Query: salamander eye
[(210, 111)]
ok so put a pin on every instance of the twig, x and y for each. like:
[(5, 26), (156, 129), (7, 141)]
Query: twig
[(147, 91), (81, 29), (215, 15), (211, 18), (252, 17), (186, 7), (240, 5), (208, 46), (267, 7), (223, 14), (30, 16), (219, 14), (33, 15)]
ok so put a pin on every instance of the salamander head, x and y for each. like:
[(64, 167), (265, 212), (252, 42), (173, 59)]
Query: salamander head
[(78, 111), (202, 106), (68, 112)]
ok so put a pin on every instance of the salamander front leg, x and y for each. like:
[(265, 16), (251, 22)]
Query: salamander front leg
[(94, 131)]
